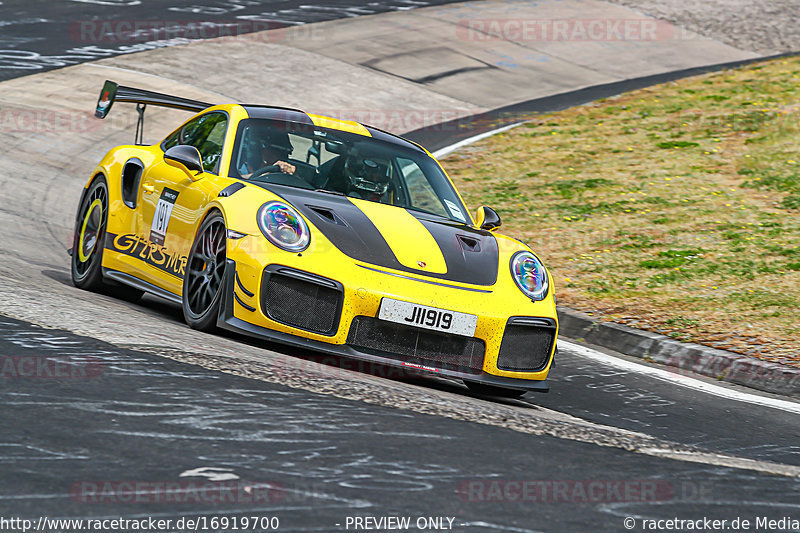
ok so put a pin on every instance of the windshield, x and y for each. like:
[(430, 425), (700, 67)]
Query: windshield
[(311, 157)]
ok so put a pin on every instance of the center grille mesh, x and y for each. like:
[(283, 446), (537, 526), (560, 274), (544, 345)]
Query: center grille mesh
[(525, 348), (301, 304), (415, 345)]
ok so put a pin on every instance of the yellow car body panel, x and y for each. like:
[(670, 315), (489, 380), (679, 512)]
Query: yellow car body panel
[(338, 124), (413, 245)]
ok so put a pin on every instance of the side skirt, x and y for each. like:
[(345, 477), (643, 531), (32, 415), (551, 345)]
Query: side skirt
[(133, 281)]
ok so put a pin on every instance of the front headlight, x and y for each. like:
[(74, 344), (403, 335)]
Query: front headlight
[(530, 275), (283, 226)]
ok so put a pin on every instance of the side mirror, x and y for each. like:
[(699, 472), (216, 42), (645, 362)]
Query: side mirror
[(186, 158), (487, 218)]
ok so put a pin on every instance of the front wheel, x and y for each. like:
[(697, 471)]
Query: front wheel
[(205, 270), (492, 390)]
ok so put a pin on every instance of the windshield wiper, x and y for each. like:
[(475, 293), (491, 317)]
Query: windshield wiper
[(417, 209)]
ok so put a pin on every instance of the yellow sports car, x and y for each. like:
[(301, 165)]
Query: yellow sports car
[(315, 232)]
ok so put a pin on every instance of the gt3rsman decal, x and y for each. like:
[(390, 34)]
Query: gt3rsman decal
[(149, 252), (158, 229)]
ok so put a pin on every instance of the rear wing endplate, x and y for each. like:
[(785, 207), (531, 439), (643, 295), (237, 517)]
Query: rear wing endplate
[(112, 92)]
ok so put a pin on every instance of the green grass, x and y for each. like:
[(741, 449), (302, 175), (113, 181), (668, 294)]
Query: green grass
[(674, 208)]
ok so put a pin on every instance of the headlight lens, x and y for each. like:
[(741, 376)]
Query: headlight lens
[(530, 275), (283, 226)]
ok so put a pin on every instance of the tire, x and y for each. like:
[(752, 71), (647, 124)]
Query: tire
[(492, 390), (205, 272), (87, 245), (90, 232)]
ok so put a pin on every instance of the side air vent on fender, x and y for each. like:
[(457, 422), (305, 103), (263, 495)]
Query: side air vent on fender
[(230, 189)]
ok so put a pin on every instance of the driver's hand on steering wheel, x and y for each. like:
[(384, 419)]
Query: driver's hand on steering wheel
[(285, 167), (277, 166)]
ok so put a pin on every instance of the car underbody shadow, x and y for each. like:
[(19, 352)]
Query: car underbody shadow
[(61, 276)]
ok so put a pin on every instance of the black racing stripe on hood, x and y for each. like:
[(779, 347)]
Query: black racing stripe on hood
[(477, 267), (354, 234)]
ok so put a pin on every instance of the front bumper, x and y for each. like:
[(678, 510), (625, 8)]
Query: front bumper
[(248, 317)]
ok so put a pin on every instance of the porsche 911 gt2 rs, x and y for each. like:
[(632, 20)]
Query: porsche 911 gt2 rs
[(315, 232)]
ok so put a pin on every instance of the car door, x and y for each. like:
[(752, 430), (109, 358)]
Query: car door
[(172, 201)]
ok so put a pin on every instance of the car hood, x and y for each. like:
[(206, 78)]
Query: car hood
[(397, 238)]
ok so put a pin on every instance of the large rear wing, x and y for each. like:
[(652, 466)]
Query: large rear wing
[(112, 92)]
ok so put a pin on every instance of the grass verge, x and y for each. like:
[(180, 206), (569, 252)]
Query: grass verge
[(674, 209)]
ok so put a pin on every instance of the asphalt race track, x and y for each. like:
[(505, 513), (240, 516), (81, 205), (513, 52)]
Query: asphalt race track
[(107, 437), (41, 35), (118, 410)]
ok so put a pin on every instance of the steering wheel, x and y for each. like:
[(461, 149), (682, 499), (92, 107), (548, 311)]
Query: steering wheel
[(269, 169)]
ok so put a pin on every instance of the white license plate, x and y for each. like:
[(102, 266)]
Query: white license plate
[(423, 316)]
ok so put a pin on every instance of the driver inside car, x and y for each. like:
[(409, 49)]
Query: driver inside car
[(268, 148), (368, 178)]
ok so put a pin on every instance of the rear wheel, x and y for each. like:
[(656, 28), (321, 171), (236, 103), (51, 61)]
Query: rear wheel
[(90, 231), (492, 390), (87, 245), (205, 270)]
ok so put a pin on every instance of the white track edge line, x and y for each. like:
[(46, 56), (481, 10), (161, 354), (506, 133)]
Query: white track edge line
[(441, 152), (680, 379)]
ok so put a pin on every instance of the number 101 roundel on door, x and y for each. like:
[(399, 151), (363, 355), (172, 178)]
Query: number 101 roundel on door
[(158, 230)]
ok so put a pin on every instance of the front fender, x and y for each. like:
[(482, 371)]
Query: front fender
[(240, 208)]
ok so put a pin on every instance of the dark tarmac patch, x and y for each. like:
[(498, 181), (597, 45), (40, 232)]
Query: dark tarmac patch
[(41, 35), (172, 431)]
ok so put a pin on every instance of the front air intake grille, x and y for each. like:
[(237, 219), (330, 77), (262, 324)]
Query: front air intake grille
[(526, 347), (415, 345), (302, 300)]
